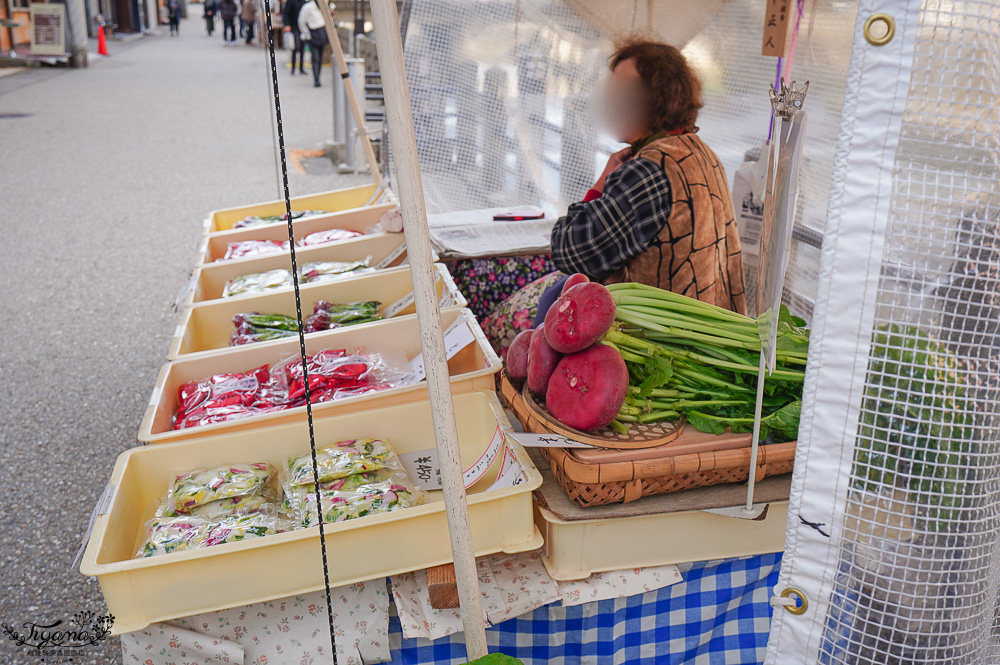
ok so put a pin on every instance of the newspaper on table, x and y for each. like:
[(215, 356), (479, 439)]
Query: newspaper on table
[(473, 233)]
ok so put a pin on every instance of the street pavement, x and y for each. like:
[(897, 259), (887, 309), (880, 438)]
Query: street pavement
[(105, 176)]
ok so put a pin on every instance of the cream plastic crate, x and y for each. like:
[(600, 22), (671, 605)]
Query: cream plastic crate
[(471, 369), (141, 591), (214, 245), (210, 279), (333, 201), (207, 327), (576, 549)]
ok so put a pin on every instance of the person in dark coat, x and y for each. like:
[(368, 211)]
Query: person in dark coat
[(228, 9), (174, 9), (290, 17), (209, 9)]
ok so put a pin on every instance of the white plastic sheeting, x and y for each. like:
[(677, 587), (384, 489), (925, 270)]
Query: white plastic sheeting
[(892, 535)]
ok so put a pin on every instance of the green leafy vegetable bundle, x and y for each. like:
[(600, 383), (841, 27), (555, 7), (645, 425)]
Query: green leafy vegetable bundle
[(686, 357), (916, 428), (251, 327)]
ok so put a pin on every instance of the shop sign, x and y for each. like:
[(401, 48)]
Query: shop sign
[(48, 34)]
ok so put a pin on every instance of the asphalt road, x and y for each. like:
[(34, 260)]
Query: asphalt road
[(105, 176)]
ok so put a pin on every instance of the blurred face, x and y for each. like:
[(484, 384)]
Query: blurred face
[(625, 103)]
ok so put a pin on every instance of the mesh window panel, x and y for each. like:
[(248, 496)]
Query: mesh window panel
[(502, 97), (919, 572)]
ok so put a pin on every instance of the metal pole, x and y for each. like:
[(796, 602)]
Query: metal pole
[(411, 197), (352, 134), (352, 100)]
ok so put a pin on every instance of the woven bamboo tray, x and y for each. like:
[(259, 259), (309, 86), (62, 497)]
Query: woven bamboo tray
[(625, 481), (685, 460), (535, 418)]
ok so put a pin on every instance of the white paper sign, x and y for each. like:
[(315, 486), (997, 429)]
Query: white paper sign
[(511, 473), (404, 302), (423, 467), (546, 441), (447, 298), (391, 257), (456, 337), (188, 288)]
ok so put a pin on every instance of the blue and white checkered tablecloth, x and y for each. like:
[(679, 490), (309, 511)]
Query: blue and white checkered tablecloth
[(719, 615)]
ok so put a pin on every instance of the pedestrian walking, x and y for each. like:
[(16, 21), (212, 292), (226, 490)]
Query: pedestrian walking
[(249, 18), (228, 9), (313, 29), (209, 9), (174, 10), (290, 17)]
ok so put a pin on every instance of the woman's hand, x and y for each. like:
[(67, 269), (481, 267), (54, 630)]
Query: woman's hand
[(616, 160), (288, 28)]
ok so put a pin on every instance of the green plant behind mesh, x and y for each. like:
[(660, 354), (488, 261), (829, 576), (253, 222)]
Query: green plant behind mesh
[(916, 423)]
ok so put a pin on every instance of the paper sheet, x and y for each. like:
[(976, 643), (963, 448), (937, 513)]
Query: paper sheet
[(473, 233)]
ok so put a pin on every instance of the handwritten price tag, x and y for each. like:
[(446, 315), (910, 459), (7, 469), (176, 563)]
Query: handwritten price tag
[(546, 441), (401, 304), (423, 467), (391, 257), (511, 473), (456, 337)]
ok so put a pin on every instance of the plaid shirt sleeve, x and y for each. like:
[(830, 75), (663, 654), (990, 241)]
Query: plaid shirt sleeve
[(599, 237)]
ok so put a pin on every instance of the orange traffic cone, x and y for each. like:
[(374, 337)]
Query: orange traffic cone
[(102, 45)]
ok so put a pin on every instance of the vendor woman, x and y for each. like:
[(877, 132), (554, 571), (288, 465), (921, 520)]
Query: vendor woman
[(661, 213)]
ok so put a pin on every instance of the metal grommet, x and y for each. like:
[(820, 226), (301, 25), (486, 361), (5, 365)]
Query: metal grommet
[(880, 29), (792, 592)]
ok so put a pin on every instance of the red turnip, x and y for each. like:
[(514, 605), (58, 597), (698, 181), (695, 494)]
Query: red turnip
[(573, 280), (542, 361), (580, 317), (517, 355), (588, 388)]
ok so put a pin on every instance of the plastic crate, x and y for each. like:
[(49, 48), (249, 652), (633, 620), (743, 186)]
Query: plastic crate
[(141, 591), (210, 279), (215, 245), (472, 369), (206, 327), (333, 201), (574, 550)]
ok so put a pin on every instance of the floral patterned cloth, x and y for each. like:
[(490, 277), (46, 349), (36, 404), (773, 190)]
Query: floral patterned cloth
[(290, 631), (488, 282), (516, 313)]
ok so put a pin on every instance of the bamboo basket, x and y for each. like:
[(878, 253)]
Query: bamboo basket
[(623, 476), (622, 482)]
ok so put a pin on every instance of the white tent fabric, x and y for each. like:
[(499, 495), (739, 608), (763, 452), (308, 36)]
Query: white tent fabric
[(892, 534)]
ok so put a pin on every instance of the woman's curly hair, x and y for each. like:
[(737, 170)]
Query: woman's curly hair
[(675, 91)]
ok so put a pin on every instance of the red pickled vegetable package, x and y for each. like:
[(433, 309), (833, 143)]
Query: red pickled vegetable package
[(220, 397), (333, 374)]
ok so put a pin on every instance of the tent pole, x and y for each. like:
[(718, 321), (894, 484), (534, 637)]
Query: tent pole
[(411, 202)]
